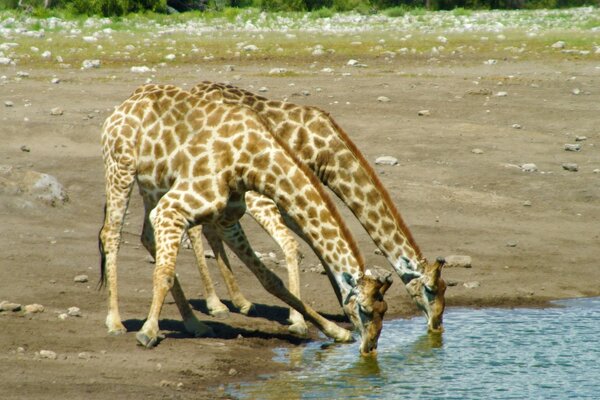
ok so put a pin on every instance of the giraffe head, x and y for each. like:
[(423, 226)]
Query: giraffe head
[(427, 288), (366, 307)]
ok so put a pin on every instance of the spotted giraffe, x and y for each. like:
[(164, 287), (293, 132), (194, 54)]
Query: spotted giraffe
[(193, 160), (318, 141)]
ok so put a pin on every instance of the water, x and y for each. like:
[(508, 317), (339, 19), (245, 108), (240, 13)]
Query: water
[(551, 353)]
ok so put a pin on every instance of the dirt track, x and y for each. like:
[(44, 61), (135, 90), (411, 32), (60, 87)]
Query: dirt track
[(455, 201)]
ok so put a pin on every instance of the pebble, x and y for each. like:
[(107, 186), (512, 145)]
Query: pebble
[(63, 316), (229, 68), (5, 60), (80, 278), (276, 71), (596, 171), (250, 47), (8, 103), (140, 70), (479, 92), (386, 160), (55, 81), (423, 113), (233, 372), (501, 94), (529, 167), (511, 244), (471, 285), (527, 203), (327, 70), (263, 89), (23, 74), (25, 148), (458, 261), (88, 64), (573, 147), (74, 312), (576, 91), (516, 126), (34, 308), (56, 111), (8, 306), (352, 62), (580, 138), (570, 167), (477, 151), (84, 355), (383, 99), (49, 354), (559, 45), (209, 254)]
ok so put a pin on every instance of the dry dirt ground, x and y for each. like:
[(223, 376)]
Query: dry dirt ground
[(454, 200)]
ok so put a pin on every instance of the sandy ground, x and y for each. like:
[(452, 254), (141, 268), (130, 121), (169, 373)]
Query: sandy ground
[(455, 201)]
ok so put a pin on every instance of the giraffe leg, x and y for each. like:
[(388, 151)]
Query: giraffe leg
[(191, 323), (119, 182), (235, 237), (266, 213), (168, 227), (215, 307), (238, 299)]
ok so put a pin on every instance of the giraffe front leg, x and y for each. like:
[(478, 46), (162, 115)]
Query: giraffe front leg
[(168, 228), (236, 239), (265, 212), (215, 307), (238, 299)]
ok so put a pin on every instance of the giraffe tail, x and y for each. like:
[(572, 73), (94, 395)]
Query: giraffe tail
[(102, 280)]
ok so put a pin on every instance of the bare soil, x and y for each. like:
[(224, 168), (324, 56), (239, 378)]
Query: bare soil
[(455, 201)]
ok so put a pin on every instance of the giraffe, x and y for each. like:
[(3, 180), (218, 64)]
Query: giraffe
[(193, 159), (318, 141)]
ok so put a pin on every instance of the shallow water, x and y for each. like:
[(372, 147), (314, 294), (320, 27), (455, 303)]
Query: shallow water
[(551, 353)]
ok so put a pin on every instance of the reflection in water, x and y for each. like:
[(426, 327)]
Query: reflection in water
[(489, 353)]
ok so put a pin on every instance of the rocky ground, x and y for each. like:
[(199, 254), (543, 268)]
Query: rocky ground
[(497, 159)]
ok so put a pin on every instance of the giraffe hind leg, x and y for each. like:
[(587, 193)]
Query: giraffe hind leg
[(119, 182), (215, 307)]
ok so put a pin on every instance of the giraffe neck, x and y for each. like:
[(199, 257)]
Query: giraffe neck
[(319, 142)]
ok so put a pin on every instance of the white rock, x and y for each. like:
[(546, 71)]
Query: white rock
[(49, 354), (458, 261), (5, 60), (516, 126), (90, 39), (383, 99), (276, 71), (327, 70), (56, 111), (47, 54), (229, 68), (80, 279), (74, 312), (8, 306), (442, 39), (250, 47), (352, 62), (501, 94), (570, 167), (170, 57), (63, 316), (263, 89), (596, 171), (88, 64), (23, 74), (576, 91), (559, 45), (318, 52), (471, 285), (424, 113), (572, 147), (34, 308), (8, 103), (477, 151), (490, 62), (140, 70), (386, 160), (580, 138), (529, 167), (56, 81)]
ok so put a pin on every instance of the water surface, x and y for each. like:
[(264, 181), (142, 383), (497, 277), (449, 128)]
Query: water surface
[(551, 353)]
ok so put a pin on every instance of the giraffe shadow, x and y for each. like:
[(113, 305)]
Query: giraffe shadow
[(271, 312), (174, 329)]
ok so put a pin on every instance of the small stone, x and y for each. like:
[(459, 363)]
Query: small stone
[(232, 372), (25, 148), (580, 138), (48, 354), (378, 252), (570, 167), (8, 306), (576, 91), (140, 69), (5, 60), (501, 94), (383, 99), (263, 89), (529, 167), (477, 151), (74, 312), (88, 64), (471, 285), (516, 126), (527, 203), (209, 254), (20, 350), (352, 62), (56, 111), (424, 113), (170, 57), (229, 68), (165, 383), (84, 355), (386, 160), (458, 261), (63, 316), (55, 81), (572, 147), (8, 103), (479, 92), (34, 308), (596, 171), (327, 70), (80, 278), (277, 71), (451, 283), (23, 74), (250, 47), (511, 244), (559, 45)]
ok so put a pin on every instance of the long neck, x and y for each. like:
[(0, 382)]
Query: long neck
[(297, 191)]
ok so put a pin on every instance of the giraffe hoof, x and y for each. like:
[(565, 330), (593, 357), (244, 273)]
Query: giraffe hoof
[(145, 340), (220, 314), (248, 309), (299, 329)]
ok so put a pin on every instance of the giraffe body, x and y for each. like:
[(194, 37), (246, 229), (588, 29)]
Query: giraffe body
[(193, 160), (319, 142)]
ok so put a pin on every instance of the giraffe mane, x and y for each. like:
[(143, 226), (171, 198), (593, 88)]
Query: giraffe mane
[(318, 185), (376, 181)]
